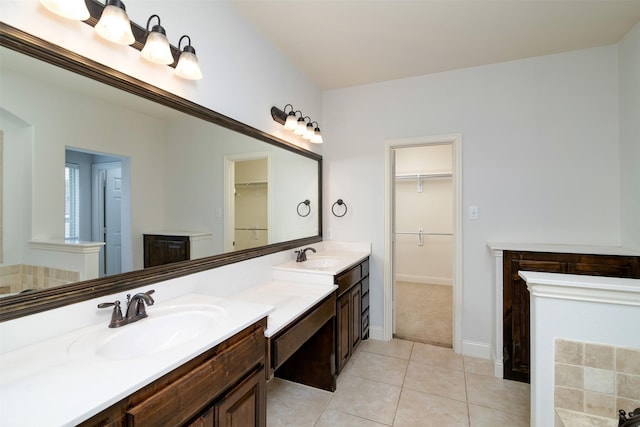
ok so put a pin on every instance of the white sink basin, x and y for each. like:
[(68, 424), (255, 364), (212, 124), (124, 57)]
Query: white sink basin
[(320, 262), (164, 329)]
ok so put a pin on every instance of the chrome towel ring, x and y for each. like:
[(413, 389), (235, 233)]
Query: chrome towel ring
[(306, 203), (339, 202)]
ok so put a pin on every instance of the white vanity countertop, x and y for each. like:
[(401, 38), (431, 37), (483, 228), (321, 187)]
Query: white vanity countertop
[(50, 383), (336, 262), (290, 300)]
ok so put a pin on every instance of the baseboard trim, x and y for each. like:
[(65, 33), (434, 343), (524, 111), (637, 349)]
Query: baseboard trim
[(376, 333), (498, 365), (431, 280), (476, 349)]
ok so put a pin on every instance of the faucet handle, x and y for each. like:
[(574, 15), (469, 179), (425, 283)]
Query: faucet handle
[(116, 315)]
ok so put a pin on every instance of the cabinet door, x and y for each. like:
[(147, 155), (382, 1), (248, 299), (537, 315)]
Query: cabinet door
[(516, 334), (160, 250), (204, 420), (242, 407), (356, 316), (344, 326)]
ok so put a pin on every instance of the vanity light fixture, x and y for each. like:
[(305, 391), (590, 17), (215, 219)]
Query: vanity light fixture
[(317, 136), (292, 120), (156, 48), (70, 9), (114, 24), (301, 127), (188, 66), (111, 22), (308, 130)]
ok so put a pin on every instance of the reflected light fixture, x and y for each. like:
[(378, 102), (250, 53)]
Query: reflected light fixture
[(188, 66), (114, 24), (298, 125), (70, 9), (156, 48)]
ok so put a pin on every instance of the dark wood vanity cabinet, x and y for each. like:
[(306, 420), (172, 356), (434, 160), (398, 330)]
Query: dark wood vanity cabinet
[(164, 249), (516, 327), (224, 386), (352, 311), (305, 350)]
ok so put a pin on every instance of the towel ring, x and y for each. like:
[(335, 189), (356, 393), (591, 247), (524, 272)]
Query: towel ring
[(339, 202), (306, 203)]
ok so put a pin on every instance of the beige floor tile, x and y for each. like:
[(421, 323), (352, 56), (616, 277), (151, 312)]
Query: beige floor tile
[(436, 356), (442, 382), (478, 366), (331, 418), (394, 348), (496, 393), (292, 404), (480, 416), (365, 398), (388, 370), (417, 409)]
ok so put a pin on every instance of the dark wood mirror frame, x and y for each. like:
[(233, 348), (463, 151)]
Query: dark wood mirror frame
[(25, 304)]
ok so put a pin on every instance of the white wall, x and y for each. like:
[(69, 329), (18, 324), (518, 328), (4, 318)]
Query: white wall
[(135, 136), (629, 72), (291, 177), (540, 158), (244, 76)]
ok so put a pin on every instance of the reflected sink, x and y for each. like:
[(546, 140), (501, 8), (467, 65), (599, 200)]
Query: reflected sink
[(164, 329), (320, 262)]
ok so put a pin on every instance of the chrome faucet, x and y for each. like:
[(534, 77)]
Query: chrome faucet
[(302, 254), (135, 309)]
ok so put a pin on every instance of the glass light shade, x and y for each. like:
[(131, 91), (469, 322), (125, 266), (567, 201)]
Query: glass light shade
[(317, 137), (308, 132), (301, 126), (292, 121), (188, 66), (114, 25), (156, 49), (70, 9)]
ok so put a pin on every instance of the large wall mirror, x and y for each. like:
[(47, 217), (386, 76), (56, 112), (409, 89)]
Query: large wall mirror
[(94, 160)]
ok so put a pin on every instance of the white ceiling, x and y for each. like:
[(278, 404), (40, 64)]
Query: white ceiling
[(341, 43)]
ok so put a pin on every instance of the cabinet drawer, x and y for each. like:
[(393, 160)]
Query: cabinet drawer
[(365, 302), (365, 285), (365, 321), (365, 268), (349, 278), (284, 345), (188, 394)]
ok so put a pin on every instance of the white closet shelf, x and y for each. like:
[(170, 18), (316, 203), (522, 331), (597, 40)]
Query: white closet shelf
[(424, 233), (412, 176), (246, 184)]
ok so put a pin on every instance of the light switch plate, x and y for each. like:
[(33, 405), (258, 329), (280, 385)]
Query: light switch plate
[(473, 212)]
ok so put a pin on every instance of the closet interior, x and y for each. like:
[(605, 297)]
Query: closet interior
[(423, 249)]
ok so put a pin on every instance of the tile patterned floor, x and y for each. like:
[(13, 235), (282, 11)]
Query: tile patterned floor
[(404, 384)]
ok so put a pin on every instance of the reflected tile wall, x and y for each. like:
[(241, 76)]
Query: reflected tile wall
[(18, 277)]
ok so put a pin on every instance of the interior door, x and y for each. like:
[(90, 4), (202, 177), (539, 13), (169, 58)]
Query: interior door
[(107, 218), (113, 220)]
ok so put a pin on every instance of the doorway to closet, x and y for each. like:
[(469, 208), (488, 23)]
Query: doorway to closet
[(423, 244)]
